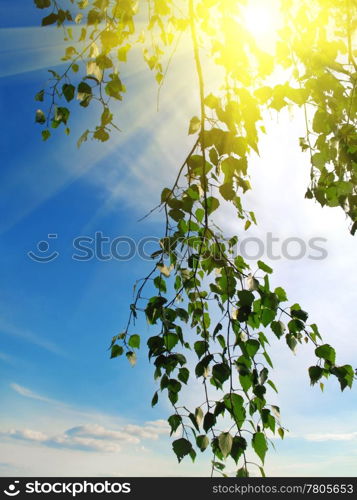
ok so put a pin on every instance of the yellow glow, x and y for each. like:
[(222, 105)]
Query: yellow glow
[(262, 19)]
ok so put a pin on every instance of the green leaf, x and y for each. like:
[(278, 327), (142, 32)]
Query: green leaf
[(326, 352), (40, 96), (221, 372), (54, 74), (131, 356), (252, 347), (225, 442), (281, 294), (155, 399), (242, 472), (195, 125), (82, 138), (200, 347), (212, 204), (227, 191), (291, 341), (202, 366), (295, 325), (134, 341), (199, 415), (263, 375), (170, 340), (239, 445), (183, 375), (259, 444), (61, 116), (101, 134), (264, 267), (202, 442), (181, 447), (276, 411), (165, 195), (300, 314), (84, 88), (122, 53), (68, 91), (117, 350), (174, 385), (259, 390), (174, 422), (245, 382), (209, 421), (46, 134), (272, 385), (281, 432), (40, 116), (115, 88), (246, 298), (176, 214), (43, 4), (315, 373), (278, 328), (235, 404), (51, 19), (106, 117), (345, 375), (160, 284)]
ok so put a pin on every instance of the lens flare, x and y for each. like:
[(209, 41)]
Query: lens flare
[(262, 18)]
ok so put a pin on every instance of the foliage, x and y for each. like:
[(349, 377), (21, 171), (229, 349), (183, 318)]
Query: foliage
[(209, 304)]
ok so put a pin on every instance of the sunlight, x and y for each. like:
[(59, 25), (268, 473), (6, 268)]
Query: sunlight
[(262, 18)]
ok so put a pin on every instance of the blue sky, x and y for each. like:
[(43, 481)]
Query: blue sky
[(66, 408)]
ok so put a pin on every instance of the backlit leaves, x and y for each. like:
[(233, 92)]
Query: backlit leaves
[(225, 441), (195, 125)]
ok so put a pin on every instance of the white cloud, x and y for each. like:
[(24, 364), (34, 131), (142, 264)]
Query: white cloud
[(8, 329), (83, 444), (99, 432), (27, 435), (331, 436), (61, 441), (92, 437)]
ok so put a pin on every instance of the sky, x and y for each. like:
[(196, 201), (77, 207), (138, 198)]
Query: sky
[(67, 409)]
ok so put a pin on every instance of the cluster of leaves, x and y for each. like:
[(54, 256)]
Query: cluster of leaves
[(323, 57), (100, 36), (213, 315), (315, 51), (198, 278)]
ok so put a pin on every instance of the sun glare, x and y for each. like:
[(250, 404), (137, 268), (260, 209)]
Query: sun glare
[(262, 19)]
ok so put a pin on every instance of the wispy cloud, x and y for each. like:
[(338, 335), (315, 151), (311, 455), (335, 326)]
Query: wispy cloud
[(31, 337), (6, 358), (27, 393)]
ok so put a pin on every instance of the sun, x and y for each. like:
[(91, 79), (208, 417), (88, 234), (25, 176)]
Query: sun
[(262, 18)]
